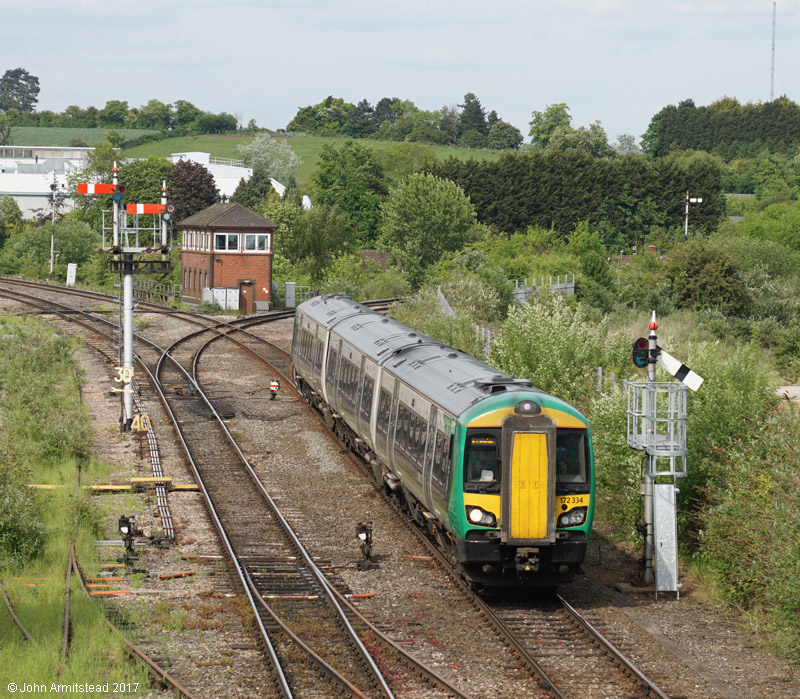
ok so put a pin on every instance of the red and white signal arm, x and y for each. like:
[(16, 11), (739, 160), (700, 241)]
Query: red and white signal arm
[(144, 208), (274, 385), (85, 188)]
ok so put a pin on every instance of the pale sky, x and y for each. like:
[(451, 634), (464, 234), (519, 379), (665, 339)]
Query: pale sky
[(614, 61)]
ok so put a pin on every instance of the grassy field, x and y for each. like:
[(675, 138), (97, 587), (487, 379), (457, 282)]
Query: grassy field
[(307, 149), (56, 136)]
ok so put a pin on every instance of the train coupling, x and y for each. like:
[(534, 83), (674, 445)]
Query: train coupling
[(526, 562)]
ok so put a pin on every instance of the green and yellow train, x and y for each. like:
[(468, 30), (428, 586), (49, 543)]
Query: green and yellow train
[(499, 472)]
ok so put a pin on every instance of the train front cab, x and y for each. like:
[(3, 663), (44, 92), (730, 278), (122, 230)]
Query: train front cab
[(527, 497)]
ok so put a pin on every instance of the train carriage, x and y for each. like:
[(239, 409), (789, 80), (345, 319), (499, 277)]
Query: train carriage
[(499, 471)]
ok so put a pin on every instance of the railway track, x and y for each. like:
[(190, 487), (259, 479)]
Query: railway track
[(268, 568), (538, 634), (289, 592)]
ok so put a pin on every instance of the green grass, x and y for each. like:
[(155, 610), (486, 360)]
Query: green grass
[(307, 148), (67, 513), (96, 654), (57, 136)]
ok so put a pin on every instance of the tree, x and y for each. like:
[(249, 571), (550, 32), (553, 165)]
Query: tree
[(472, 117), (424, 217), (351, 177), (401, 159), (626, 143), (185, 113), (114, 113), (275, 157), (359, 122), (252, 192), (155, 115), (543, 124), (143, 180), (215, 123), (5, 130), (10, 218), (191, 189), (29, 251), (115, 138), (19, 90), (285, 212), (504, 136), (320, 234), (448, 123), (592, 140)]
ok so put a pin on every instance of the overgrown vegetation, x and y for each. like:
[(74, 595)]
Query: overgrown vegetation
[(45, 439)]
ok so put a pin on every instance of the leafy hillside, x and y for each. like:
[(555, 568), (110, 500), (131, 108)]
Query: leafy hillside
[(307, 149)]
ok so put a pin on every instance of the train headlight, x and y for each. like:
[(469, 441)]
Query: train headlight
[(477, 515), (573, 518)]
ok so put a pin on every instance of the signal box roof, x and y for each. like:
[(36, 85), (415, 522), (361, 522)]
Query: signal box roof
[(228, 216)]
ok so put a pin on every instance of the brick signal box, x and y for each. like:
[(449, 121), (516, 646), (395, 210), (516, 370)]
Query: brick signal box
[(226, 257)]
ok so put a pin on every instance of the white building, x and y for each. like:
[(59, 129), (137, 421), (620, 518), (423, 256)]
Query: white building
[(27, 173)]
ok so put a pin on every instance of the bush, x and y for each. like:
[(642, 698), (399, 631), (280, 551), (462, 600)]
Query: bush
[(551, 342), (704, 276), (748, 530), (209, 307), (22, 536)]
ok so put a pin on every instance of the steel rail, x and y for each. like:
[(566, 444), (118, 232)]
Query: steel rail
[(297, 544), (282, 682), (646, 684), (16, 619), (134, 651), (318, 660)]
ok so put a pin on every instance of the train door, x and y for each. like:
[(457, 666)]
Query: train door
[(383, 416), (430, 444), (528, 482), (331, 370)]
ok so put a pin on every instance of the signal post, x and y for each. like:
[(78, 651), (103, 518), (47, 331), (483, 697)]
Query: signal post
[(656, 419), (128, 259)]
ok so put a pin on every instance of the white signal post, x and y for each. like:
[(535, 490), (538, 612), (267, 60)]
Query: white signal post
[(125, 264), (688, 200)]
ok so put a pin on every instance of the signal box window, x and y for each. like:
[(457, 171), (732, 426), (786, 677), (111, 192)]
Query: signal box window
[(572, 456), (226, 242), (482, 461), (256, 242)]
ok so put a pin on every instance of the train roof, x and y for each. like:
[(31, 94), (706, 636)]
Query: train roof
[(453, 379)]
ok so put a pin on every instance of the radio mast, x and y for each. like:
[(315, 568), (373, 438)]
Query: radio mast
[(772, 68)]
